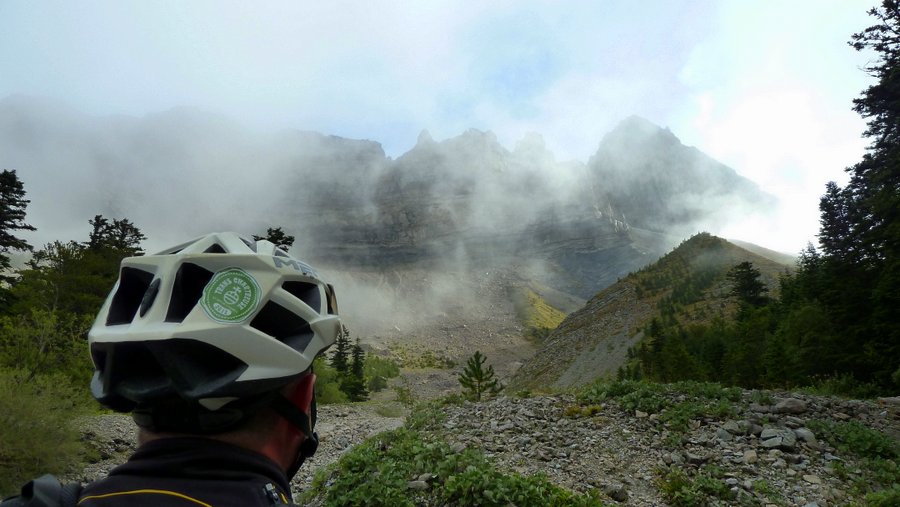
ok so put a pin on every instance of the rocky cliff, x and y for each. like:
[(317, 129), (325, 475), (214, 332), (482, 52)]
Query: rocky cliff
[(466, 201)]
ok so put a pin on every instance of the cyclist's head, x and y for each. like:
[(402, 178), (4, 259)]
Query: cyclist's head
[(201, 336)]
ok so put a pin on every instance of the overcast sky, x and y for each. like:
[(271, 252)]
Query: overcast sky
[(763, 86)]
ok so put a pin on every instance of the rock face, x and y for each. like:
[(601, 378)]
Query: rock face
[(657, 183), (462, 200)]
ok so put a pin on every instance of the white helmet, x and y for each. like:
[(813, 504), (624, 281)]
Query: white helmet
[(210, 327)]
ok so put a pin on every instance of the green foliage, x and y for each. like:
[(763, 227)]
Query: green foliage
[(277, 236), (354, 382), (378, 370), (746, 285), (856, 438), (844, 385), (340, 357), (36, 431), (536, 315), (578, 411), (41, 342), (677, 403), (884, 498), (348, 361), (409, 358), (120, 236), (12, 218), (684, 490), (404, 393), (327, 383), (478, 381), (376, 473)]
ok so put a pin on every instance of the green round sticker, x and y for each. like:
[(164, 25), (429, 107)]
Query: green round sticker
[(231, 296)]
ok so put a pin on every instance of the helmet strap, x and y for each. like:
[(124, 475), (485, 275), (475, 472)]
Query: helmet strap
[(300, 412)]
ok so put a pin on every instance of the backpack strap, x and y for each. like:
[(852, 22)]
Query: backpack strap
[(45, 491)]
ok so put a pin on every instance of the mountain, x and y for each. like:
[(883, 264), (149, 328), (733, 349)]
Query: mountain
[(593, 342), (427, 228), (657, 183)]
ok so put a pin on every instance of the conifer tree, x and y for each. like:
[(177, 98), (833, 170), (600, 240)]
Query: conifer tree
[(354, 383), (747, 286), (340, 358), (12, 217), (478, 381), (277, 236)]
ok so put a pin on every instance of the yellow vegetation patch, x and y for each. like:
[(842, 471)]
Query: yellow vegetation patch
[(535, 313)]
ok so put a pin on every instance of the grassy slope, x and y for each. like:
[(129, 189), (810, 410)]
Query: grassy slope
[(593, 341)]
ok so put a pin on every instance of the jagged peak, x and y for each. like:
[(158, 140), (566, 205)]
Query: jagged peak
[(424, 138)]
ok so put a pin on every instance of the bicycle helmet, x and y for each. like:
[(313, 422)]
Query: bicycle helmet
[(198, 336)]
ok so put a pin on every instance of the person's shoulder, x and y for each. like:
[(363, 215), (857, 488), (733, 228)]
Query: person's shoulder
[(45, 491)]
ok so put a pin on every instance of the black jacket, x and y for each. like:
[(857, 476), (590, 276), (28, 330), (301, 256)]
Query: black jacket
[(190, 472)]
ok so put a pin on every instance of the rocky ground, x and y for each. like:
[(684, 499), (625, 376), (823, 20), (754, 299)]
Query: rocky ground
[(764, 454), (340, 427)]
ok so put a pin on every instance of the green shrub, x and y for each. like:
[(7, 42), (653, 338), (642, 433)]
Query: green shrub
[(695, 399), (328, 388), (376, 473), (683, 490), (378, 370), (855, 437), (884, 498), (845, 386), (37, 434)]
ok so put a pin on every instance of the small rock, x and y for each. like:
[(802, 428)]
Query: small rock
[(750, 457), (723, 435), (417, 485), (790, 406), (427, 477), (640, 415), (762, 409), (695, 459), (812, 479), (616, 491)]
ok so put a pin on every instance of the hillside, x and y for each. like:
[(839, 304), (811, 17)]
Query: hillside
[(688, 283)]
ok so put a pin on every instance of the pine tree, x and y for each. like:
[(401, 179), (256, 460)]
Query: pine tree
[(746, 285), (340, 358), (12, 216), (277, 236), (120, 236), (478, 381), (354, 383)]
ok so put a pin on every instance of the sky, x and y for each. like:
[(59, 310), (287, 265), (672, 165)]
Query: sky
[(765, 87)]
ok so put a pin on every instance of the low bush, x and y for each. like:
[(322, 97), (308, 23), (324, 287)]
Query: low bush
[(856, 438), (378, 472), (37, 431), (683, 490)]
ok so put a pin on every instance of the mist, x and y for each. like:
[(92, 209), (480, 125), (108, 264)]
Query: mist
[(409, 240)]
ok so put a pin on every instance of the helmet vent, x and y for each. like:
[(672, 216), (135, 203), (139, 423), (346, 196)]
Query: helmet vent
[(150, 296), (196, 369), (186, 291), (133, 284), (250, 244), (332, 299), (283, 325), (215, 248), (306, 292)]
